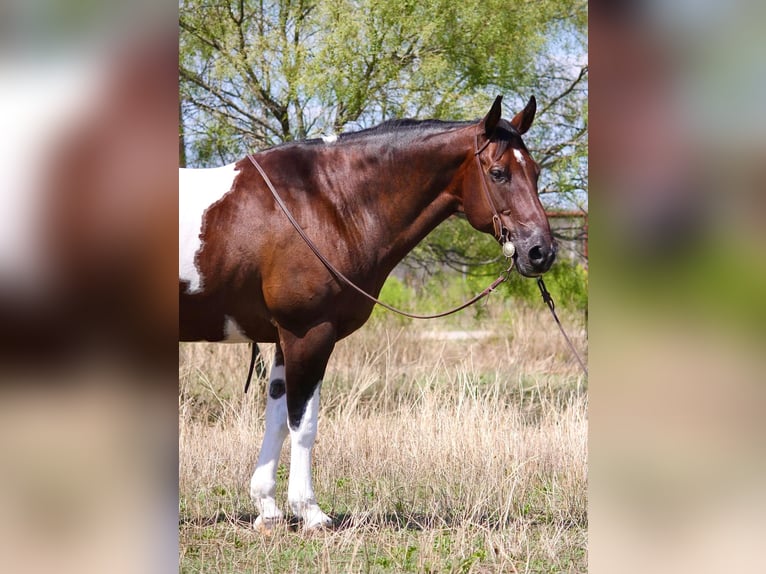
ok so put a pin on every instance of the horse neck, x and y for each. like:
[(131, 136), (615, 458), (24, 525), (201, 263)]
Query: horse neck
[(407, 190)]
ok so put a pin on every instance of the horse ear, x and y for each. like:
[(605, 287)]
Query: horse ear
[(523, 120), (493, 116)]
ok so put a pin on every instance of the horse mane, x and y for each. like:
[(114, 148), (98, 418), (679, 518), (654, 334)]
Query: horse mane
[(503, 134), (390, 128), (406, 125), (410, 128)]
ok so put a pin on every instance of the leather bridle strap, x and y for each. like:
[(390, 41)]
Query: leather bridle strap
[(343, 279), (502, 234)]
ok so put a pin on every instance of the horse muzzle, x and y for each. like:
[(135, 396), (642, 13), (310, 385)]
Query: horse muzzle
[(534, 255)]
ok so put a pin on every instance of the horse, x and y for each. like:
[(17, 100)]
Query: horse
[(364, 199)]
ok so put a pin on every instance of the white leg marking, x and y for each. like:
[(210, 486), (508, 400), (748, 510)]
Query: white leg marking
[(300, 492), (198, 189), (263, 485)]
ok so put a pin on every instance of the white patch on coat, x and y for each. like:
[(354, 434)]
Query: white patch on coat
[(198, 189), (263, 484), (332, 138), (233, 333), (519, 156)]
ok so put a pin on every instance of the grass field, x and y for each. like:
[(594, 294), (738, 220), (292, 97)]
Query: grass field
[(434, 454)]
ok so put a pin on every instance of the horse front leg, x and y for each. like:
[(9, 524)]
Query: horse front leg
[(263, 484), (305, 362)]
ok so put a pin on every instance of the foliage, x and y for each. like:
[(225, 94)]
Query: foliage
[(568, 285), (566, 281), (396, 294), (260, 73), (257, 73)]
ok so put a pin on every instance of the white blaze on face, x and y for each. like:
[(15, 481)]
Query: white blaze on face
[(519, 156), (198, 189)]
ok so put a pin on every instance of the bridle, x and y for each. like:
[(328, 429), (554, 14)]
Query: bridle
[(502, 233)]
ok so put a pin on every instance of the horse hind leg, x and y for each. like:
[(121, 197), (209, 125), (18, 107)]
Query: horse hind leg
[(263, 484)]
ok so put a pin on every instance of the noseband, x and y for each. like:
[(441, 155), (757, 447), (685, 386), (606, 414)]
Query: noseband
[(502, 233)]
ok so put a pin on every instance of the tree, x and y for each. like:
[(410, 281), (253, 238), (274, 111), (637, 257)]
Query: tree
[(254, 73)]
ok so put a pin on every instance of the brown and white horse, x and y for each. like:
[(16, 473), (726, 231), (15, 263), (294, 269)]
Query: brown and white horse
[(365, 199)]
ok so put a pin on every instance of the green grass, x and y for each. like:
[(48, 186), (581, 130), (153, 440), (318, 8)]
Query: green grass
[(432, 456), (232, 546)]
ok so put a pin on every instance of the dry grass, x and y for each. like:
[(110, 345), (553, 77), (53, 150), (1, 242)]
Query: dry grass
[(433, 456)]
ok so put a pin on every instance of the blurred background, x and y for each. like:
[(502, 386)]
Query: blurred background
[(88, 358), (677, 150)]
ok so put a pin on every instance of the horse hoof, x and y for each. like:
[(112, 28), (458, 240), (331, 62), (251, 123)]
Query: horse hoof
[(266, 525), (315, 519)]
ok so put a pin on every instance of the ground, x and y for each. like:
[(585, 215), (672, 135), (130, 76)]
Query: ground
[(434, 454)]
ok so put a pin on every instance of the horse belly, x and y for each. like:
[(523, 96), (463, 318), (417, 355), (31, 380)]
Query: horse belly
[(205, 318)]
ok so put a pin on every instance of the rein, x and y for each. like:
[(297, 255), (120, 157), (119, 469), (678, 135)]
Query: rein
[(342, 278), (501, 234)]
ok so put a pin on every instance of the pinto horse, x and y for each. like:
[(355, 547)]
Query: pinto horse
[(365, 199)]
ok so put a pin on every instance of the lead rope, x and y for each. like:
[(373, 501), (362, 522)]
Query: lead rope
[(552, 306)]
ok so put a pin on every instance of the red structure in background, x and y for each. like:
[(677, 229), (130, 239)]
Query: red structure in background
[(575, 215)]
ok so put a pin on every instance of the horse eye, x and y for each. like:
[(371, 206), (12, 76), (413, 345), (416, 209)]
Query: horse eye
[(498, 174)]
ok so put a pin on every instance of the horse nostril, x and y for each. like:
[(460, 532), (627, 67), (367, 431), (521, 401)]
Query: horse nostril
[(536, 255), (541, 257)]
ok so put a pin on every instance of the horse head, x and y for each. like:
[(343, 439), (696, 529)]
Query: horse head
[(499, 195)]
